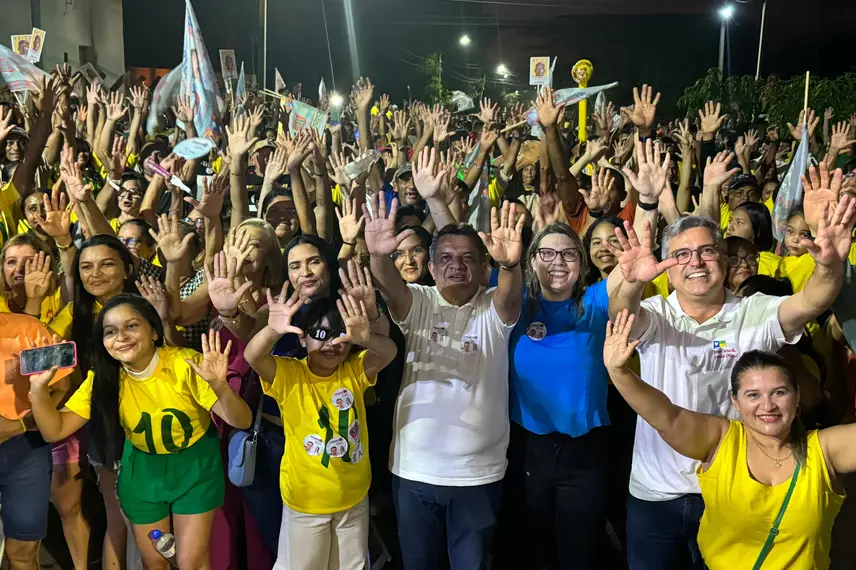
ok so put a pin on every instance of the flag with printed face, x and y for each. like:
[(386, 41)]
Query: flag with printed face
[(279, 82), (18, 73), (197, 78), (791, 190), (241, 89), (306, 116), (165, 96)]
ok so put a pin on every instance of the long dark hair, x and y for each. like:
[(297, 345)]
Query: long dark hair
[(762, 224), (593, 274), (530, 278), (757, 359), (84, 302), (106, 370), (327, 252)]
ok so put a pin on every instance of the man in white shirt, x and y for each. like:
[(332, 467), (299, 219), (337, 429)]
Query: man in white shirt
[(689, 343), (451, 423)]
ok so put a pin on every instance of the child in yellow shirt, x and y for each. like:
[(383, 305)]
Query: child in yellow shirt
[(325, 472)]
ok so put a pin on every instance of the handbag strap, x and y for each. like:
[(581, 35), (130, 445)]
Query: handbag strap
[(774, 530)]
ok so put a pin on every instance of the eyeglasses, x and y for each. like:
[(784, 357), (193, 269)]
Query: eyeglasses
[(705, 253), (411, 253), (751, 260), (569, 255), (134, 193), (323, 333), (130, 242)]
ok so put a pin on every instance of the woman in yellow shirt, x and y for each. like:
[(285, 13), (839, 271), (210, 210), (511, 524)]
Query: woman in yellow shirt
[(771, 490), (172, 474), (325, 471)]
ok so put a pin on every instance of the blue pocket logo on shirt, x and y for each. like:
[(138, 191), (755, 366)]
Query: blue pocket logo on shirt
[(719, 345)]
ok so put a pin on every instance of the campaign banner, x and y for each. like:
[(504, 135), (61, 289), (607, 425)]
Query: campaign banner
[(165, 96), (21, 44), (228, 67), (197, 78), (18, 73), (306, 116), (539, 71), (37, 44)]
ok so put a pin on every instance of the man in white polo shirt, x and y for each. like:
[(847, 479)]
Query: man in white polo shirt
[(451, 427), (689, 343)]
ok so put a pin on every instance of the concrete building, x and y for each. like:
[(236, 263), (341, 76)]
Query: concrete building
[(78, 31)]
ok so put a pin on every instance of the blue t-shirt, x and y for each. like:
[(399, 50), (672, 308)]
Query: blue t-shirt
[(558, 380)]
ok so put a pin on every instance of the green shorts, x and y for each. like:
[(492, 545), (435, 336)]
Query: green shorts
[(189, 482)]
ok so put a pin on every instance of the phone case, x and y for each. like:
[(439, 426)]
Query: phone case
[(21, 354)]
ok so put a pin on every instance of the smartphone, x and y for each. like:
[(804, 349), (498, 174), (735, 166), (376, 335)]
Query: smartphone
[(35, 360)]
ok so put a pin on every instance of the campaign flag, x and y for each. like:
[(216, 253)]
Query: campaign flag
[(306, 116), (241, 89), (18, 73), (322, 95), (228, 69), (165, 96), (21, 44), (279, 83), (790, 192), (462, 102), (539, 71), (570, 96), (37, 44), (197, 78)]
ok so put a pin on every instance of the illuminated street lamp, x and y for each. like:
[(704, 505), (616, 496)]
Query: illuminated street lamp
[(336, 100), (725, 14), (464, 40), (502, 70)]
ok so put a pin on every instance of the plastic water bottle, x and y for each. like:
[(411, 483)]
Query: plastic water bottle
[(164, 543)]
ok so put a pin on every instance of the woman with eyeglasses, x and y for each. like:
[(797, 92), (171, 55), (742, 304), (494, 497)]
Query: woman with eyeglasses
[(743, 260), (411, 256), (559, 453), (130, 198), (752, 221)]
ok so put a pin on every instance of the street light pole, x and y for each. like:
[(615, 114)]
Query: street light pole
[(264, 50), (761, 40), (722, 48)]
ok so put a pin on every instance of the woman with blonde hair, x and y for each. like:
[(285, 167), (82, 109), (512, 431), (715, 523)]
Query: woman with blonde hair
[(29, 280)]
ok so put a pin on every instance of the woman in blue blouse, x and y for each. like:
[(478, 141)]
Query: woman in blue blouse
[(559, 448)]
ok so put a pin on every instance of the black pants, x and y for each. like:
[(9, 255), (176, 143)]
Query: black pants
[(556, 500)]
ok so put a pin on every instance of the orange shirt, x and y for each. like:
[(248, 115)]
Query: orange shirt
[(19, 332), (580, 220)]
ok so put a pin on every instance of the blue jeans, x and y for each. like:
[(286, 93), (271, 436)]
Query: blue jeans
[(263, 497), (465, 516), (661, 535), (26, 465)]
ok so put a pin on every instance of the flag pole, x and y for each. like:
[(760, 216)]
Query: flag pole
[(805, 99)]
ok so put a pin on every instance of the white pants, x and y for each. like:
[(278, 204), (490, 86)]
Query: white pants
[(324, 542)]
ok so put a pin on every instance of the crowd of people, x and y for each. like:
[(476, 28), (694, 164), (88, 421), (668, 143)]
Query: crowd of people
[(565, 353)]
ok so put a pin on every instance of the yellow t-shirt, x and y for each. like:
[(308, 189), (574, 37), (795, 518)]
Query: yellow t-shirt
[(115, 224), (165, 413), (9, 215), (724, 216), (851, 257), (797, 270), (770, 204), (51, 305), (325, 468), (739, 511), (61, 323), (769, 264), (659, 286)]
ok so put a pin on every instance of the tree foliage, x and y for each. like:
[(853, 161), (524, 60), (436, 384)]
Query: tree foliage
[(432, 67)]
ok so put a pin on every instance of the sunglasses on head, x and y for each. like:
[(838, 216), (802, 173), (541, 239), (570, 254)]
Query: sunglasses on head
[(324, 333)]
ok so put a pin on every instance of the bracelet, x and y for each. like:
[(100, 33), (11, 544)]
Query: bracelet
[(509, 267), (349, 243), (648, 207), (65, 247), (232, 319), (596, 213)]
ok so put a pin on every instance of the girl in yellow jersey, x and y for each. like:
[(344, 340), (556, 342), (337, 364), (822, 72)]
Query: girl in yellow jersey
[(172, 474), (325, 471), (797, 266), (771, 490)]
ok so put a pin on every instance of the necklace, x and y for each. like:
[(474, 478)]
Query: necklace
[(778, 462)]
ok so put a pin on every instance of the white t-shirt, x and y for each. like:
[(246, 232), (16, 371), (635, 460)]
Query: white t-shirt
[(691, 363), (451, 417)]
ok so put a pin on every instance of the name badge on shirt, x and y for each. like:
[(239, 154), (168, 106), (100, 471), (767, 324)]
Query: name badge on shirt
[(470, 343), (536, 330), (437, 332), (342, 399)]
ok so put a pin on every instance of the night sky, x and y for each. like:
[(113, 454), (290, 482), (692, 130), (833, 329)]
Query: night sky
[(668, 43)]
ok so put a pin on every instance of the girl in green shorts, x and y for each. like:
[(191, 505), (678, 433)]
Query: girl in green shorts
[(162, 397)]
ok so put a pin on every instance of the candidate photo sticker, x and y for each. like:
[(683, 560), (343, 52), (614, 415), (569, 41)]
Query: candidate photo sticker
[(313, 445)]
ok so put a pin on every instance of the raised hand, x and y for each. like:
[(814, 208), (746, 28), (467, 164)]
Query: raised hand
[(350, 226), (828, 113), (716, 170), (839, 139), (213, 195), (796, 132), (636, 258), (355, 317), (548, 112), (441, 127), (241, 138), (282, 311), (169, 240), (644, 107), (685, 137), (363, 93), (57, 219), (155, 293), (357, 283), (256, 118), (488, 139), (652, 178), (400, 125), (383, 105), (487, 111), (549, 211), (215, 359), (115, 161), (237, 246), (116, 108), (711, 119), (380, 235), (505, 241), (602, 185), (834, 234), (139, 97), (751, 138), (38, 276), (186, 109), (425, 174), (338, 164), (6, 124), (618, 348), (821, 192), (72, 176), (221, 285), (303, 147)]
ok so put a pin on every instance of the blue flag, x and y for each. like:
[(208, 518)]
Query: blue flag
[(790, 191), (241, 89), (198, 79)]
